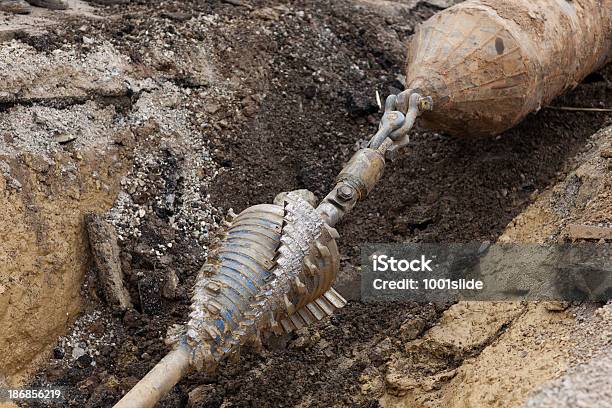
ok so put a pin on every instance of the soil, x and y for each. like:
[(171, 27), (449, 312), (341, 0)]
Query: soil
[(259, 98)]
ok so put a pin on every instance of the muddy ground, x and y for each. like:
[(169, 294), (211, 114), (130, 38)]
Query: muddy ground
[(292, 99)]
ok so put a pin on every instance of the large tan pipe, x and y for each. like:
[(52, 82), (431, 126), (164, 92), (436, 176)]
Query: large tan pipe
[(158, 381), (488, 63)]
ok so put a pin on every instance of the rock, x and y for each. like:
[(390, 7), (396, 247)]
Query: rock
[(77, 352), (84, 361), (58, 353), (412, 328), (109, 2), (267, 13), (15, 7), (105, 252), (50, 4), (236, 3), (64, 138), (212, 108), (360, 105)]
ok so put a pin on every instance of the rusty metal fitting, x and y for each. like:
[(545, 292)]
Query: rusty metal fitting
[(353, 184), (345, 192), (363, 171)]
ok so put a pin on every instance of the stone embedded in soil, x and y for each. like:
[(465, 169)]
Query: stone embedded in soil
[(58, 353), (84, 361), (77, 352), (64, 138)]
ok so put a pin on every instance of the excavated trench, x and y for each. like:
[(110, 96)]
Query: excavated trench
[(276, 97)]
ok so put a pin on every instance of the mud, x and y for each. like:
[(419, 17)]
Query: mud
[(233, 104)]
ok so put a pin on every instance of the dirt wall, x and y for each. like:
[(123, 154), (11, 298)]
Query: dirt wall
[(43, 247), (62, 154)]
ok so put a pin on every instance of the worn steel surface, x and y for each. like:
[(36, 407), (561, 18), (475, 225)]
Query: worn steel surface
[(272, 271)]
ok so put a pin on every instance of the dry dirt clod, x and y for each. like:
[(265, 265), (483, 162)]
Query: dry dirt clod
[(606, 153), (64, 138), (556, 306), (267, 13), (412, 328)]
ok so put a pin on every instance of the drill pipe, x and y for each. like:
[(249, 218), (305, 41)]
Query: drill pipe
[(159, 380), (488, 63), (272, 272)]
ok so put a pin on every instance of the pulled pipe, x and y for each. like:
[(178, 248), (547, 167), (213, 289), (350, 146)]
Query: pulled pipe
[(159, 380)]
